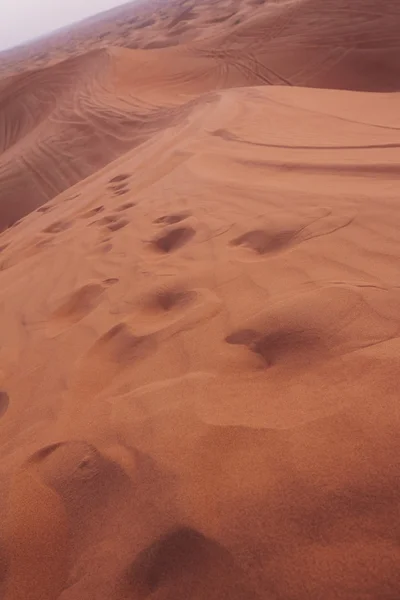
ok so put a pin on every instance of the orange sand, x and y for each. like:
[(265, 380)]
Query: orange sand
[(200, 305)]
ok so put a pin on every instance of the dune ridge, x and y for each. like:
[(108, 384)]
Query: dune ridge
[(99, 105)]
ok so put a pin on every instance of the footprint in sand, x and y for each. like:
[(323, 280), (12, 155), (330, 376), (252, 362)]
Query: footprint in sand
[(119, 224), (277, 239), (119, 178), (111, 222), (106, 220), (171, 219), (58, 227), (184, 563), (320, 324), (168, 309), (80, 303), (104, 247), (92, 212), (118, 187), (118, 349), (56, 499), (44, 209), (72, 197), (263, 242), (121, 345), (111, 281), (276, 346), (4, 402), (173, 239), (81, 475), (167, 299), (125, 206)]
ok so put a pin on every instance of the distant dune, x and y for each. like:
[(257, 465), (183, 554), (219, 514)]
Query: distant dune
[(64, 122)]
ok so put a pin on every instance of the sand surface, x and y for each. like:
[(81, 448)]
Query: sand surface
[(200, 305)]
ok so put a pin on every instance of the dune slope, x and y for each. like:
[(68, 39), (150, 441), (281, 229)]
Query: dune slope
[(200, 324)]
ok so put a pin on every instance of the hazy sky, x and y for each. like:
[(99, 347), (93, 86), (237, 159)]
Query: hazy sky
[(22, 20)]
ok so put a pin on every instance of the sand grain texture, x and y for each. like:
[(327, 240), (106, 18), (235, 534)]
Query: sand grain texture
[(200, 305)]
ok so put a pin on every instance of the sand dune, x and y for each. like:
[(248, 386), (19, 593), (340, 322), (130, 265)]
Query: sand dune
[(89, 116), (62, 123), (199, 292), (79, 127), (334, 44)]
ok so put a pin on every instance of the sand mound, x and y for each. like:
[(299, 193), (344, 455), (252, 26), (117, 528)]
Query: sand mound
[(199, 293)]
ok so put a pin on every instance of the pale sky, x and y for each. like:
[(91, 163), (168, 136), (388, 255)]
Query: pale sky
[(22, 20)]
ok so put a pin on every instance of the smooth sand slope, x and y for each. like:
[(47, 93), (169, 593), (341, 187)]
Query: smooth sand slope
[(200, 320)]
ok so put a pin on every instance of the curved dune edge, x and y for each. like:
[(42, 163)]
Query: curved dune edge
[(104, 102)]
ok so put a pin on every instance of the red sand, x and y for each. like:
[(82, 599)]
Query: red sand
[(200, 305)]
